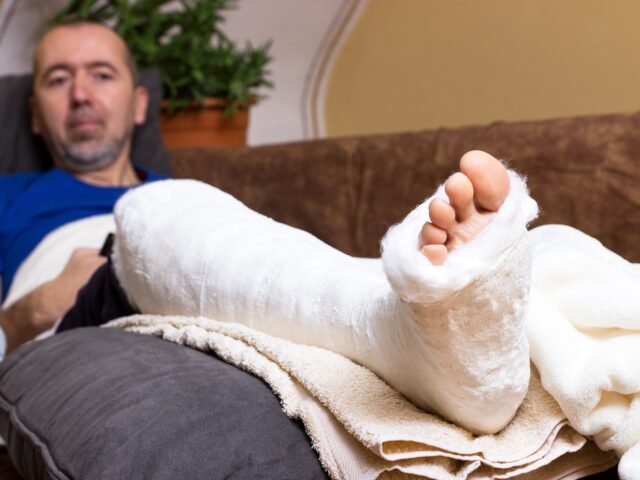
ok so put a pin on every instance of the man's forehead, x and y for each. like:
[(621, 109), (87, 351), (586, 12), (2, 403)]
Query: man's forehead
[(80, 45)]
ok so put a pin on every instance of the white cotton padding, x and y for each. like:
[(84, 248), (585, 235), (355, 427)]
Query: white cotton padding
[(418, 281), (186, 248)]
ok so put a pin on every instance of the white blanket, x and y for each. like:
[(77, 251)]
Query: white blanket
[(51, 255), (584, 331)]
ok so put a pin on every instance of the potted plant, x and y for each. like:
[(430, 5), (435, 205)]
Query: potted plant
[(209, 83)]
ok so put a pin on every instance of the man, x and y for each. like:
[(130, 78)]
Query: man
[(85, 104)]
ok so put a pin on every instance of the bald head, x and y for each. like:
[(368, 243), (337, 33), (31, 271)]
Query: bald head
[(89, 27)]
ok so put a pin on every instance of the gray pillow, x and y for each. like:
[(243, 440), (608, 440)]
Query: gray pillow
[(22, 151), (95, 403)]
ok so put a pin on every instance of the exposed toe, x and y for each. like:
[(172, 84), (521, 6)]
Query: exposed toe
[(459, 189), (475, 194), (442, 214), (489, 179), (431, 235), (436, 254)]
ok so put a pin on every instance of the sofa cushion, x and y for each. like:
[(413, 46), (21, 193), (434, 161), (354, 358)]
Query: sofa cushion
[(23, 151), (103, 403)]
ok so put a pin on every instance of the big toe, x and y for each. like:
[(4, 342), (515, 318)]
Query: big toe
[(489, 179)]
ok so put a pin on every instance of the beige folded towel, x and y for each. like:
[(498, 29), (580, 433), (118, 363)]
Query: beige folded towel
[(363, 429)]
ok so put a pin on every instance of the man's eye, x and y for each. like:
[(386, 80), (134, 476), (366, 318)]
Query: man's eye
[(56, 81), (103, 76)]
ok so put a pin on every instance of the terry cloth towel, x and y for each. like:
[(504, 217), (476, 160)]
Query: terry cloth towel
[(363, 429)]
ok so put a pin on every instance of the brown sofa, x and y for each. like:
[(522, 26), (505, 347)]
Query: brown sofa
[(583, 171)]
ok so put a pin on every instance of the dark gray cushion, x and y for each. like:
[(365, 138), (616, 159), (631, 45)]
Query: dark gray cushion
[(96, 403), (22, 151)]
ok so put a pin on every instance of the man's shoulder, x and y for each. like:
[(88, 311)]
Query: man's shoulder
[(14, 184), (18, 179), (147, 175)]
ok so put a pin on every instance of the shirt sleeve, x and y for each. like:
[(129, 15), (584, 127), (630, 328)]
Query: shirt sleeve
[(10, 187), (13, 185)]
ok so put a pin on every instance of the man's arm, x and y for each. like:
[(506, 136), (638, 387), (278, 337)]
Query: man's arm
[(38, 311)]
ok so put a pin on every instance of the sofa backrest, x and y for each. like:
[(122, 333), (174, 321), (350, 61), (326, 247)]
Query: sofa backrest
[(583, 172)]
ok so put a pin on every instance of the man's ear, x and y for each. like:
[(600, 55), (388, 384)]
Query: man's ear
[(36, 125), (141, 102)]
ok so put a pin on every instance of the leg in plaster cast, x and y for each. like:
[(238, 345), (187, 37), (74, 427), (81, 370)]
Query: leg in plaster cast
[(447, 330)]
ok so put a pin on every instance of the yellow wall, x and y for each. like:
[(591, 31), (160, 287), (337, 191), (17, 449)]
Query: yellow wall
[(413, 64)]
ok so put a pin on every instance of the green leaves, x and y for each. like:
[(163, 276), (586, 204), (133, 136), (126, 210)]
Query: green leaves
[(185, 42)]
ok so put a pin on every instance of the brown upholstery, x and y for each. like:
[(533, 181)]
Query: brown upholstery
[(583, 171)]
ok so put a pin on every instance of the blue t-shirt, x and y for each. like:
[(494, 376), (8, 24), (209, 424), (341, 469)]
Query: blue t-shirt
[(34, 204)]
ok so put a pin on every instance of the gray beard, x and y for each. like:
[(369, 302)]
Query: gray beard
[(79, 158)]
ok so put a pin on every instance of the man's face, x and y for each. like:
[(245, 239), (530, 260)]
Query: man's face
[(85, 103)]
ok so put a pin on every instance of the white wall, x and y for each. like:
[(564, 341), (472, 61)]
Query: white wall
[(298, 29), (25, 26)]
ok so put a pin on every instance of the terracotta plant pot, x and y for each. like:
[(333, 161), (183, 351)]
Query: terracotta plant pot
[(204, 126)]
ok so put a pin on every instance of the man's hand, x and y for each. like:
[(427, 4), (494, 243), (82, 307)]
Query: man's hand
[(61, 292), (39, 310)]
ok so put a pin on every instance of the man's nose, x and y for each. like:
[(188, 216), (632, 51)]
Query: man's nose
[(80, 90)]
